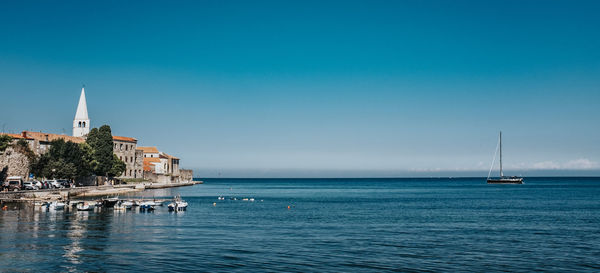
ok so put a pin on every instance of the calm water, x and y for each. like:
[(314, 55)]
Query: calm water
[(550, 224)]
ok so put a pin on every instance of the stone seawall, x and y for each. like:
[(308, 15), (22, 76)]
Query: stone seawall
[(13, 163)]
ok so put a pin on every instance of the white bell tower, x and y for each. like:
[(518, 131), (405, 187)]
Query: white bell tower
[(81, 123)]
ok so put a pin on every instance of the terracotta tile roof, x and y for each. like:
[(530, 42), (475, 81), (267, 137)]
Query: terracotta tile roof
[(169, 156), (51, 137), (127, 139), (149, 150), (14, 136), (148, 163), (152, 159), (148, 166)]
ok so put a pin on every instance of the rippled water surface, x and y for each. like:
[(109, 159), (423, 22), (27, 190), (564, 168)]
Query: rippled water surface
[(331, 225)]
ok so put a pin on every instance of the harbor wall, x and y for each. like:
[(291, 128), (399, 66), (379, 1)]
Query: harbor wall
[(13, 163)]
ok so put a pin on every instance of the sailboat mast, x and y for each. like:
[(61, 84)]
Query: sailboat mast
[(501, 174)]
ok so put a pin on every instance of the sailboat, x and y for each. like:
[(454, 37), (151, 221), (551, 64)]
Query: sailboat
[(502, 179)]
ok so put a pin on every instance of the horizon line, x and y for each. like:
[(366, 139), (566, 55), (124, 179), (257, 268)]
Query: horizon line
[(400, 177)]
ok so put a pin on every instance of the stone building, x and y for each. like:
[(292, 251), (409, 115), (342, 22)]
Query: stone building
[(149, 151), (172, 166), (125, 148), (160, 167), (39, 142)]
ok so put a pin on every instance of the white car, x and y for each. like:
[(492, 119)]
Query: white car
[(54, 184), (30, 185)]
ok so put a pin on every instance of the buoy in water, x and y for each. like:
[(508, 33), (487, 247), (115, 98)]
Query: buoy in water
[(215, 204), (288, 207)]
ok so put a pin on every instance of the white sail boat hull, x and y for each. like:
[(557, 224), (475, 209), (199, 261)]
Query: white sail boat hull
[(517, 180)]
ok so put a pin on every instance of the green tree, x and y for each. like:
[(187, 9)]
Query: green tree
[(4, 142), (37, 167), (61, 169), (103, 161), (118, 167), (63, 160)]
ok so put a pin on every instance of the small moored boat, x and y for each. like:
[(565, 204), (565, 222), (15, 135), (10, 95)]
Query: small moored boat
[(148, 205), (178, 204), (56, 205), (85, 206)]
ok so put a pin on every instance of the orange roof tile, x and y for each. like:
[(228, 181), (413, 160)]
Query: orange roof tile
[(152, 159), (14, 136), (149, 150), (128, 139), (148, 166), (148, 163), (51, 137), (169, 156)]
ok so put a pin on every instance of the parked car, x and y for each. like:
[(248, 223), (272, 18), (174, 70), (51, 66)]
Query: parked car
[(13, 183), (59, 183), (29, 185), (64, 183), (53, 184)]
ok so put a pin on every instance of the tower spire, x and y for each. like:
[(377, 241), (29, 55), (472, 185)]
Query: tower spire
[(82, 112), (81, 122)]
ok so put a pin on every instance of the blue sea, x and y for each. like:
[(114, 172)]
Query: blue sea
[(322, 225)]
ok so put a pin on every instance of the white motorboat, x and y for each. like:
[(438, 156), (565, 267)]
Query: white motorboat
[(85, 206), (127, 204), (123, 205), (148, 205), (178, 204), (56, 205)]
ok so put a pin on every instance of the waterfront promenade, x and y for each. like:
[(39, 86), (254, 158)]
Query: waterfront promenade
[(90, 191)]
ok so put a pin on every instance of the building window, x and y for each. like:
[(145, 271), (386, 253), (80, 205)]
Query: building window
[(121, 146), (131, 159), (125, 159), (84, 124), (126, 147), (80, 124)]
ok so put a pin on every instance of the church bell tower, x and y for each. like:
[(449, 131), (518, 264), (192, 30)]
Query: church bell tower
[(81, 123)]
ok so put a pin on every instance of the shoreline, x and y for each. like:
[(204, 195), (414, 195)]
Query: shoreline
[(83, 192)]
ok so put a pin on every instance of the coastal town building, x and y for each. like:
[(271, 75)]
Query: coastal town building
[(172, 165), (39, 142), (125, 148), (149, 151), (160, 165)]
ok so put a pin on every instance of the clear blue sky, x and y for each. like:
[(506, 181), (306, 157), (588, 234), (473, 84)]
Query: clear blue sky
[(316, 88)]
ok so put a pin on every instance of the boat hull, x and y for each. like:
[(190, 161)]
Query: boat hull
[(505, 181)]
